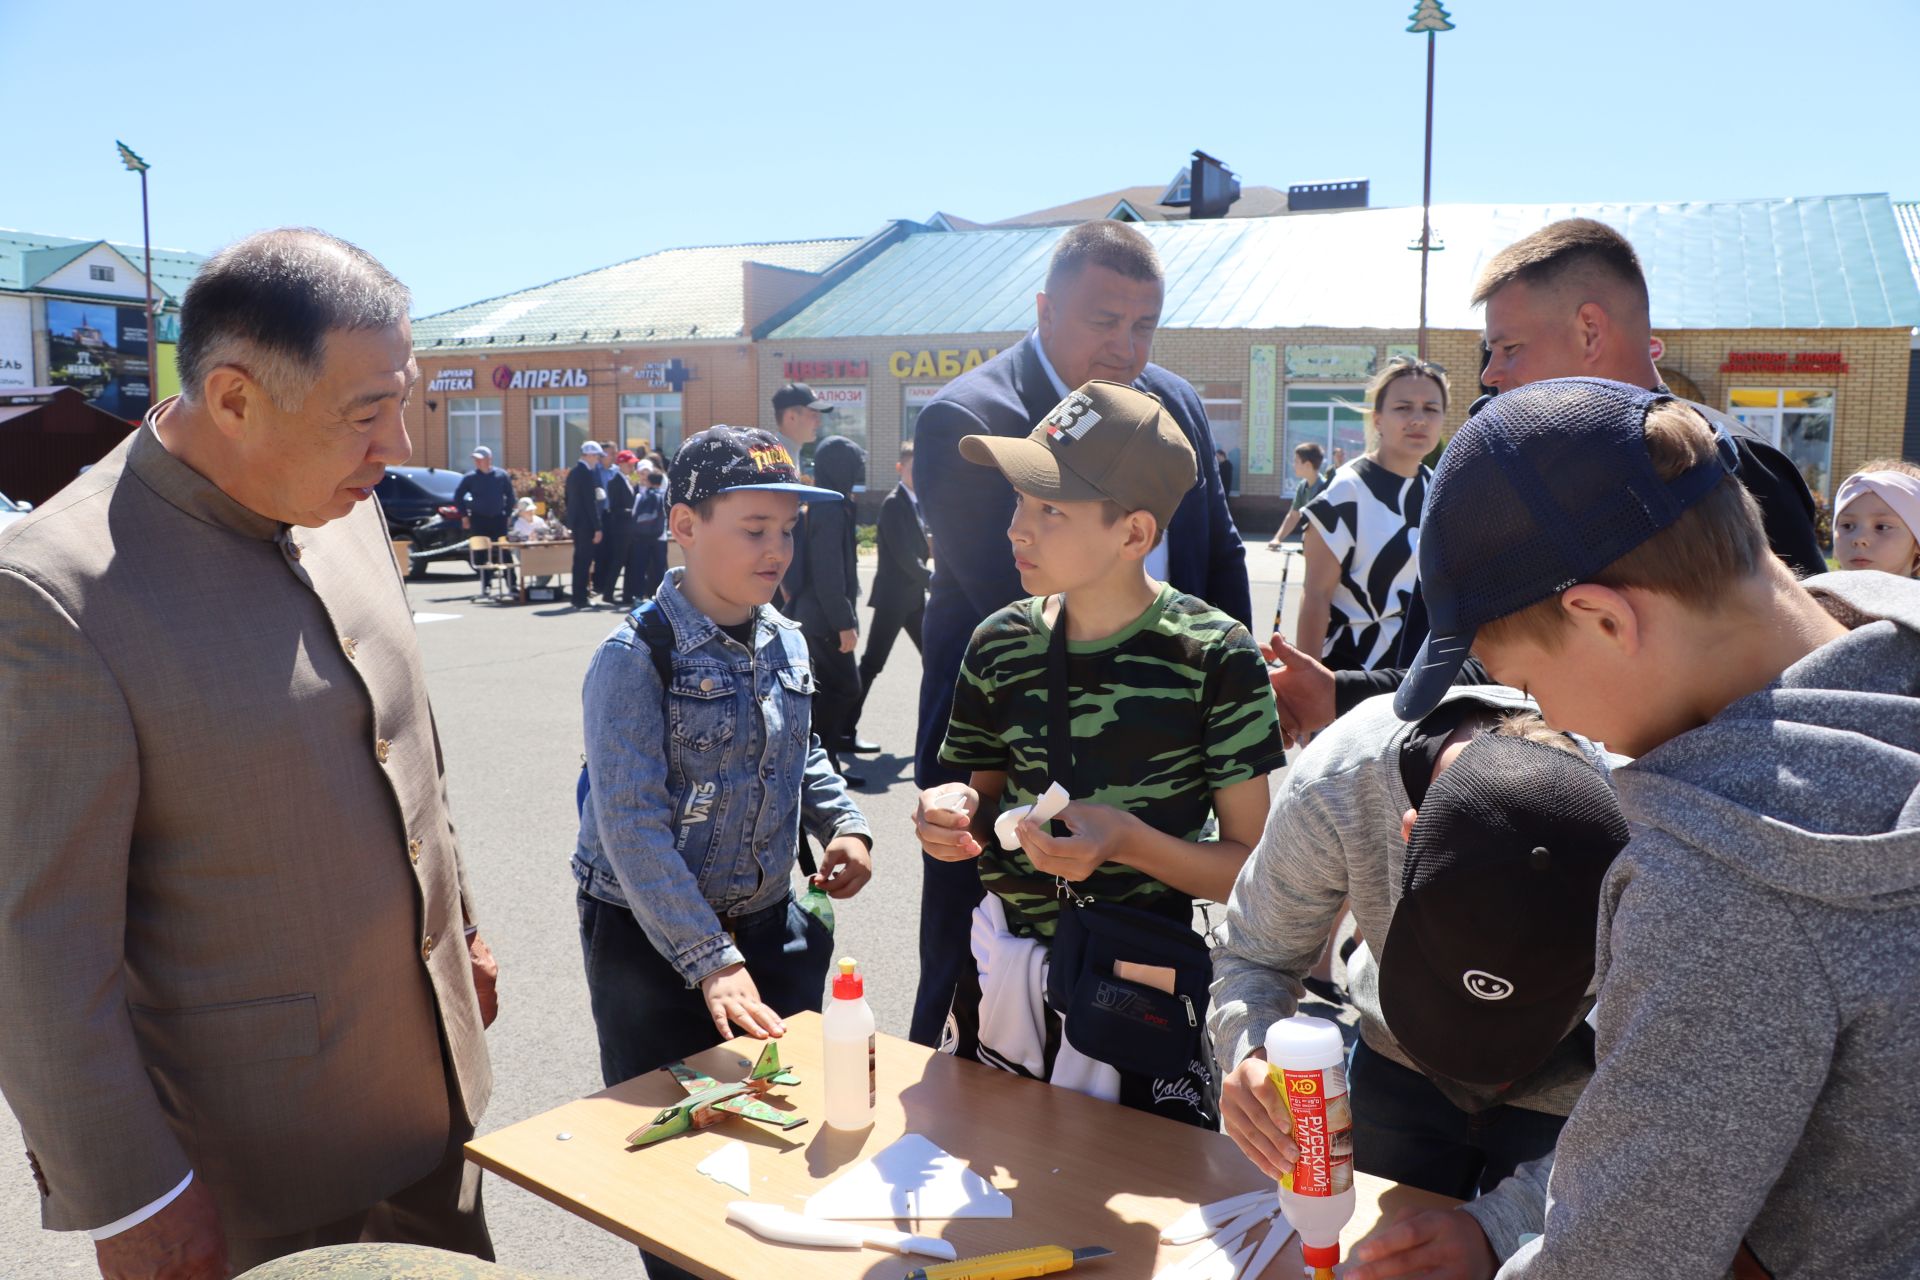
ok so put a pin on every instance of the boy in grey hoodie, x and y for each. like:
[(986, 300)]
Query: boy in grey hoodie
[(1758, 1028)]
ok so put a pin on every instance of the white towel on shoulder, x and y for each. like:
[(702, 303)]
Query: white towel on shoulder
[(1013, 1028)]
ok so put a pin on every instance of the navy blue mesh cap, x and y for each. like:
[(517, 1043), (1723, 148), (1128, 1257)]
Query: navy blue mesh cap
[(1543, 488)]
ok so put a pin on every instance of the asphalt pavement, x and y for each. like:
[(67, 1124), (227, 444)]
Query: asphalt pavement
[(505, 684)]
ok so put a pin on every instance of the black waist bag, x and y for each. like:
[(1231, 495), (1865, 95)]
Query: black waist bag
[(1136, 1028)]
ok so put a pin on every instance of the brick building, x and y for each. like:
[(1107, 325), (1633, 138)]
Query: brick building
[(643, 352), (1798, 315)]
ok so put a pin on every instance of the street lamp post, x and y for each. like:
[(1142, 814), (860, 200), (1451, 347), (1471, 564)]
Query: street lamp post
[(1431, 18), (139, 166)]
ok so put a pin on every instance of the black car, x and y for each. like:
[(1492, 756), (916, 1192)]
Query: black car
[(418, 503)]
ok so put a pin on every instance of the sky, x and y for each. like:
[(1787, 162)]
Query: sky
[(482, 148)]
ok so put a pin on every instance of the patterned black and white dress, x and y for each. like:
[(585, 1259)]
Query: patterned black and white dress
[(1370, 519)]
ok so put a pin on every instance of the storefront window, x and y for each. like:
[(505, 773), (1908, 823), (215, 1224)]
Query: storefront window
[(651, 421), (1798, 422), (912, 401), (849, 416), (1331, 417), (560, 425), (472, 422), (1225, 414)]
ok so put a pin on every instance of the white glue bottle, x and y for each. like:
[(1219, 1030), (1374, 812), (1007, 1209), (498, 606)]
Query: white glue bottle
[(1307, 1063), (849, 1056)]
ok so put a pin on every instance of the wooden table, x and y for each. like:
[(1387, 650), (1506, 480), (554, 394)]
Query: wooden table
[(1080, 1171)]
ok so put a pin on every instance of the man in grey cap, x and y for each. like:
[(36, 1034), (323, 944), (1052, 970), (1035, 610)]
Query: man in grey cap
[(584, 497), (797, 413), (485, 500)]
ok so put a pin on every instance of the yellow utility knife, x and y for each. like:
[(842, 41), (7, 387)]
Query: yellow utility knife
[(1041, 1261)]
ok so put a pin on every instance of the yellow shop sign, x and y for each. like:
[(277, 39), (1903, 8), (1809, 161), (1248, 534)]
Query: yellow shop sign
[(948, 363)]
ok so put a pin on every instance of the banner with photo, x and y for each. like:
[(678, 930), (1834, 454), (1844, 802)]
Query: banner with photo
[(102, 351)]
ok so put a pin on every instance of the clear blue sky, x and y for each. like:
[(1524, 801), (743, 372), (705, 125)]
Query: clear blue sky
[(480, 148)]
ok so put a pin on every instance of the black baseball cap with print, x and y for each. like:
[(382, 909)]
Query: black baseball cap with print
[(722, 459), (798, 395), (1104, 441), (1489, 955), (1542, 489)]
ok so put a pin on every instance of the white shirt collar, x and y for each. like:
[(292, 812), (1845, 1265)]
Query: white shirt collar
[(1060, 388)]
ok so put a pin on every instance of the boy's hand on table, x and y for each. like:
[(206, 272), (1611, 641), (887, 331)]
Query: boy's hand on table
[(732, 997), (1100, 834), (942, 820), (845, 868), (1440, 1244), (1255, 1117)]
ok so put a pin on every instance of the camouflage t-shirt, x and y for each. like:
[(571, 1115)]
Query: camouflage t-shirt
[(1166, 711)]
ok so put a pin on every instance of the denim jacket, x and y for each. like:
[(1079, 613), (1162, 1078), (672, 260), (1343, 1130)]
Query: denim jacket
[(696, 805)]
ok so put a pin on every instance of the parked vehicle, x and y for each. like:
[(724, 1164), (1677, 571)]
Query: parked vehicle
[(418, 503), (11, 510)]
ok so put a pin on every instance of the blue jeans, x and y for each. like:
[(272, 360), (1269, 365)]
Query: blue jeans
[(645, 1013), (1405, 1129)]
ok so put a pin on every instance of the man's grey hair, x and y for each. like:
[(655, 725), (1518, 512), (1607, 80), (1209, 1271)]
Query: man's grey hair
[(267, 304), (1103, 243)]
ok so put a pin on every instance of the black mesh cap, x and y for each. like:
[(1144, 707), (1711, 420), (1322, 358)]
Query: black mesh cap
[(724, 458), (1490, 952), (1543, 488)]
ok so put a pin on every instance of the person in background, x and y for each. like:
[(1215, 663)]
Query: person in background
[(1095, 318), (611, 557), (484, 497), (1226, 471), (528, 525), (899, 579), (797, 415), (584, 496), (823, 588), (1876, 518), (1363, 530), (1308, 481), (646, 553)]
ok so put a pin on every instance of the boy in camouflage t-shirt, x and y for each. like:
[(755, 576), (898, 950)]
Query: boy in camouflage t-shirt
[(1172, 717)]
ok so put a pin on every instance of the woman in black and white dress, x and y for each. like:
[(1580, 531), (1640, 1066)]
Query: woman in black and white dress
[(1363, 531)]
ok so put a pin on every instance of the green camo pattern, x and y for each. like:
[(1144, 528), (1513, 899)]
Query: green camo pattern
[(1166, 711)]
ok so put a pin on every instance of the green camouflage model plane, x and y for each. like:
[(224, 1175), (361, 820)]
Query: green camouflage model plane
[(709, 1102)]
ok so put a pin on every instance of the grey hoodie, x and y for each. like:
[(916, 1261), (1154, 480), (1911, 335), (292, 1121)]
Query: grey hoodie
[(1759, 1017)]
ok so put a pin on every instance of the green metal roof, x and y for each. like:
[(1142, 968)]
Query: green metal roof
[(1907, 213), (673, 295), (26, 259), (1815, 263)]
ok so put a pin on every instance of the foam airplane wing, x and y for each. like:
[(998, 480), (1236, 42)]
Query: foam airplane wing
[(707, 1099)]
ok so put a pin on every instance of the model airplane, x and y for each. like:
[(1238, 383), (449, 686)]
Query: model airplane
[(709, 1102)]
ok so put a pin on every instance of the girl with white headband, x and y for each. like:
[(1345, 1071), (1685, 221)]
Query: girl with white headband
[(1876, 518)]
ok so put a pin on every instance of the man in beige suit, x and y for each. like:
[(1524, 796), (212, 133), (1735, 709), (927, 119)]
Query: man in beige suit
[(241, 997)]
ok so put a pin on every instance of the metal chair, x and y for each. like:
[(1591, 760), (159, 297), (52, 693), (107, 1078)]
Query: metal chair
[(492, 560)]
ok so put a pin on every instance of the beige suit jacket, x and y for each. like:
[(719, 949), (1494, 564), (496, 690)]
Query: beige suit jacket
[(231, 903)]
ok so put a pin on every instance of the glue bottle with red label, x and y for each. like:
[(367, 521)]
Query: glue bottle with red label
[(848, 1030), (1307, 1062)]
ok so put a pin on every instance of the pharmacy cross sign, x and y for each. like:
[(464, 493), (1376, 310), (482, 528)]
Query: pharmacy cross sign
[(668, 373)]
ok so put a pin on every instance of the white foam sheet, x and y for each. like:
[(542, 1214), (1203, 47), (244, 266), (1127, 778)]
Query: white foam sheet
[(911, 1179), (729, 1167), (1045, 809)]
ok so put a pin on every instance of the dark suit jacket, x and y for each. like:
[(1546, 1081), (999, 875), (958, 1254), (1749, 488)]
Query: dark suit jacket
[(583, 501), (900, 578), (619, 503), (968, 507)]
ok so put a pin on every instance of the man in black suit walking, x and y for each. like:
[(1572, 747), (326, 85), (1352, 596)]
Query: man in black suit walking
[(610, 557), (583, 517), (1096, 319), (899, 580)]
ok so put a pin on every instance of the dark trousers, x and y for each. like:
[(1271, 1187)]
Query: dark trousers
[(584, 551), (610, 557), (836, 689), (646, 563), (647, 1016), (949, 891), (885, 630), (1405, 1129)]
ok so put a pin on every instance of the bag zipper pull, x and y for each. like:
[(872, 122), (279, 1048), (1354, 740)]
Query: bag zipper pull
[(1192, 1019)]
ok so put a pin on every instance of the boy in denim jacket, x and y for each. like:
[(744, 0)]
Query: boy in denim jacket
[(692, 825)]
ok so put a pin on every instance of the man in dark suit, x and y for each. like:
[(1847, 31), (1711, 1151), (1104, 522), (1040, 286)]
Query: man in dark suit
[(899, 579), (825, 586), (610, 557), (1096, 319), (583, 517), (646, 554)]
